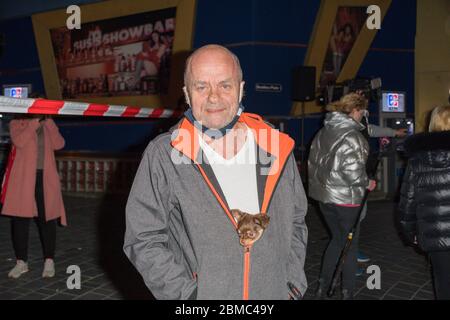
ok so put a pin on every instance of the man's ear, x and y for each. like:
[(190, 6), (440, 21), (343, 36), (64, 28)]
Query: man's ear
[(241, 91), (186, 96), (237, 214)]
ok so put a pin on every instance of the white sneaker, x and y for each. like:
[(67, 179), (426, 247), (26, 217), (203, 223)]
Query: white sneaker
[(20, 268), (49, 269)]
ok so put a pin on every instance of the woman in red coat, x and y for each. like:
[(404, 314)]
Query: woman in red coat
[(33, 189)]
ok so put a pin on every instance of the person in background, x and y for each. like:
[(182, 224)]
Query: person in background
[(424, 207), (32, 190), (338, 180), (374, 131)]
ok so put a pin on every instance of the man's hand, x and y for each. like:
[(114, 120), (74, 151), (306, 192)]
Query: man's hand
[(372, 185), (401, 133)]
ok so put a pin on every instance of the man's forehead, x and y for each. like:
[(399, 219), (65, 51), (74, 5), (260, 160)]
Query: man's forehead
[(212, 54), (209, 64), (217, 59), (218, 71), (201, 79)]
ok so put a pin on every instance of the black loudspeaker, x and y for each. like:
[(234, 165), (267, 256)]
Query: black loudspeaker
[(303, 83)]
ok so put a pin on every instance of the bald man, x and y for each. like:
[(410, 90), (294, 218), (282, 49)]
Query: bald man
[(181, 235)]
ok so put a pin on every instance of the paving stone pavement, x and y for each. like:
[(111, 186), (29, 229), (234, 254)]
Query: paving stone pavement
[(93, 241)]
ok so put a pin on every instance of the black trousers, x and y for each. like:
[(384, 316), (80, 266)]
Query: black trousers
[(339, 220), (440, 261), (20, 227)]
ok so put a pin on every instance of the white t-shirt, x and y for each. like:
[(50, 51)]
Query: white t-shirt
[(237, 175)]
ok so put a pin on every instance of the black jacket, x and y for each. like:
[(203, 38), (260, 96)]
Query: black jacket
[(424, 208)]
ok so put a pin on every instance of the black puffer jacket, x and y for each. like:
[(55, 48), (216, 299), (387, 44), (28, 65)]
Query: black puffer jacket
[(424, 209)]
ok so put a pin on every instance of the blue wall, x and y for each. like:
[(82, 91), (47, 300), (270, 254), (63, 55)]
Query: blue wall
[(108, 135), (270, 38), (23, 8), (254, 29), (20, 61), (276, 37)]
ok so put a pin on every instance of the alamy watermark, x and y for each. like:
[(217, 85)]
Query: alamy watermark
[(374, 18), (374, 280), (74, 20), (74, 280)]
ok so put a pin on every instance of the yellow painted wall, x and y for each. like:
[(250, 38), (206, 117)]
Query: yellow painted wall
[(432, 58)]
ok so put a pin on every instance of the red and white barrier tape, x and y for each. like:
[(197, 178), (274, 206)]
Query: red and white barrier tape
[(44, 106)]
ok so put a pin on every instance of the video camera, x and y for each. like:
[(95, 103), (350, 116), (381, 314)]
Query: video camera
[(370, 87)]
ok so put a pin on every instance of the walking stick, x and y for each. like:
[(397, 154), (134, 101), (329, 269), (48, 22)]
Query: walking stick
[(348, 243)]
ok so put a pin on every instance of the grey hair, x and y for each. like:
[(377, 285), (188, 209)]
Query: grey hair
[(187, 69)]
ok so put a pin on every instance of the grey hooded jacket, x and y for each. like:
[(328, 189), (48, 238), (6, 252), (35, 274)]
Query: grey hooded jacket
[(182, 241), (337, 158)]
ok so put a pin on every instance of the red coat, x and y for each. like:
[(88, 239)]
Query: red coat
[(20, 193)]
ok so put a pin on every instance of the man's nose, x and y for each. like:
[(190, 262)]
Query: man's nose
[(213, 96)]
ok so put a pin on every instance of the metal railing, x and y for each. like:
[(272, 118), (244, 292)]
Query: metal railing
[(96, 173)]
